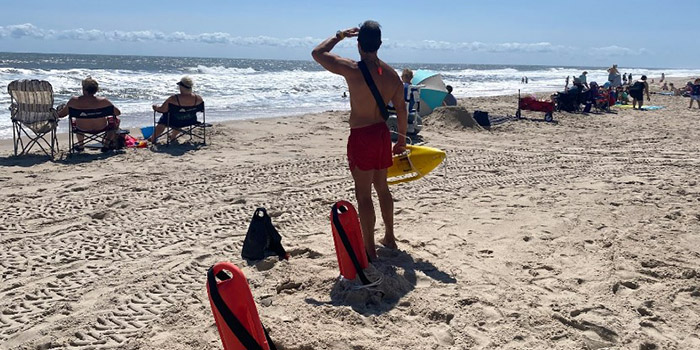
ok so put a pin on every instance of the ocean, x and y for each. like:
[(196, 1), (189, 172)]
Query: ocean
[(236, 89)]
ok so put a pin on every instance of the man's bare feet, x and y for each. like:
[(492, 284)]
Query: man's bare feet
[(389, 243)]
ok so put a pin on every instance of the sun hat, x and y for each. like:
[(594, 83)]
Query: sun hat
[(186, 82)]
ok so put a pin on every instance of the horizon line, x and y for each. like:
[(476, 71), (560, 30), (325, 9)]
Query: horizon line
[(311, 60)]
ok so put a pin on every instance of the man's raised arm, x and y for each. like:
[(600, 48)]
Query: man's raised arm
[(332, 62)]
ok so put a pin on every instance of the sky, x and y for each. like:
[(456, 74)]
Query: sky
[(590, 33)]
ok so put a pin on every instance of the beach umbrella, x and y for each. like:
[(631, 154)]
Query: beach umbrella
[(432, 90)]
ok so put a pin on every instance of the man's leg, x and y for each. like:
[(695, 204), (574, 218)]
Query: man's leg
[(386, 203), (365, 207)]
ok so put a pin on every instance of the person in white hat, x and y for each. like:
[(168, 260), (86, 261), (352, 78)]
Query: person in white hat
[(185, 98)]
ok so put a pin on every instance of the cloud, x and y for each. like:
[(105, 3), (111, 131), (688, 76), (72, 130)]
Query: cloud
[(19, 31), (476, 46), (28, 30), (77, 34), (615, 50)]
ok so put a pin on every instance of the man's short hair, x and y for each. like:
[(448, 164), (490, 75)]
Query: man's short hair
[(90, 85), (449, 89), (370, 36)]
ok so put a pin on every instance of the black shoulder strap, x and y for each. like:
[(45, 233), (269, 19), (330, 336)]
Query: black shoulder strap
[(231, 320), (373, 87), (348, 246)]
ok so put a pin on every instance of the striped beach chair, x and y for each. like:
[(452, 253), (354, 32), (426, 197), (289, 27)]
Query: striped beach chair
[(34, 120)]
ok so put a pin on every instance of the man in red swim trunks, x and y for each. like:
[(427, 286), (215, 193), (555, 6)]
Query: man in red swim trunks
[(369, 144)]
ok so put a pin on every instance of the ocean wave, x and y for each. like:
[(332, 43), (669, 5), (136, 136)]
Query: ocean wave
[(239, 89), (218, 70)]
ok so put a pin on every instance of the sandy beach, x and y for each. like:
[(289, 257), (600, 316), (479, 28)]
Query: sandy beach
[(578, 234)]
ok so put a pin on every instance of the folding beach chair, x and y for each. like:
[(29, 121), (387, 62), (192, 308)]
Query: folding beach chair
[(34, 119), (91, 135), (184, 120)]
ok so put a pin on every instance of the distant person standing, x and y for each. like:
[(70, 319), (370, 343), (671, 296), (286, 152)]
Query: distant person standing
[(567, 82), (449, 100), (663, 76), (526, 80), (522, 80), (637, 91), (629, 78), (369, 149), (614, 76), (695, 93), (406, 77), (583, 79), (624, 79)]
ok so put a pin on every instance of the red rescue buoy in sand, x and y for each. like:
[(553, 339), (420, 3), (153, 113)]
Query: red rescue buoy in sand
[(347, 236), (234, 310)]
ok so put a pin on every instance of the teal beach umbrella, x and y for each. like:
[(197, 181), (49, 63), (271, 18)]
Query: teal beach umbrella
[(432, 90)]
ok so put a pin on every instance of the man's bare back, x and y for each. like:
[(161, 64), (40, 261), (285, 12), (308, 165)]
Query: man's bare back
[(89, 102), (363, 108)]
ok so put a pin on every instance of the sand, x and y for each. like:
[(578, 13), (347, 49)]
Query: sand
[(578, 234)]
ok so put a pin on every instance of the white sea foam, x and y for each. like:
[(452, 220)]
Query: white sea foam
[(257, 91)]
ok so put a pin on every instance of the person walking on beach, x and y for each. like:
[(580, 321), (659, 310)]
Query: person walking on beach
[(369, 144), (637, 91)]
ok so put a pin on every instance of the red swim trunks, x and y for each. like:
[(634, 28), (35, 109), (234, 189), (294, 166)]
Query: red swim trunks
[(369, 147)]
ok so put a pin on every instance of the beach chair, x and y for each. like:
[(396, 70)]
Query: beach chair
[(34, 120), (98, 135), (184, 119)]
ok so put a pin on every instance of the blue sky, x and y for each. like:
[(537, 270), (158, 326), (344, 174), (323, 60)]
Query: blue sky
[(641, 33)]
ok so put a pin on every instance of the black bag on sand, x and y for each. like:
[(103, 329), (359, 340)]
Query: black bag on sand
[(262, 237), (482, 118)]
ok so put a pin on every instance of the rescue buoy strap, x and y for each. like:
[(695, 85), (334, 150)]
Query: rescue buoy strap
[(373, 88), (348, 247), (231, 320)]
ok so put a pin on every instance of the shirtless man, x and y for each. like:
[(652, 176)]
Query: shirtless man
[(369, 145), (88, 100)]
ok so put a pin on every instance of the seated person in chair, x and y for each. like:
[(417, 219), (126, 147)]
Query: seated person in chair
[(88, 101), (186, 98)]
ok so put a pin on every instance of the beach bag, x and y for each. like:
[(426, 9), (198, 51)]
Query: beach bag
[(262, 237), (482, 118)]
